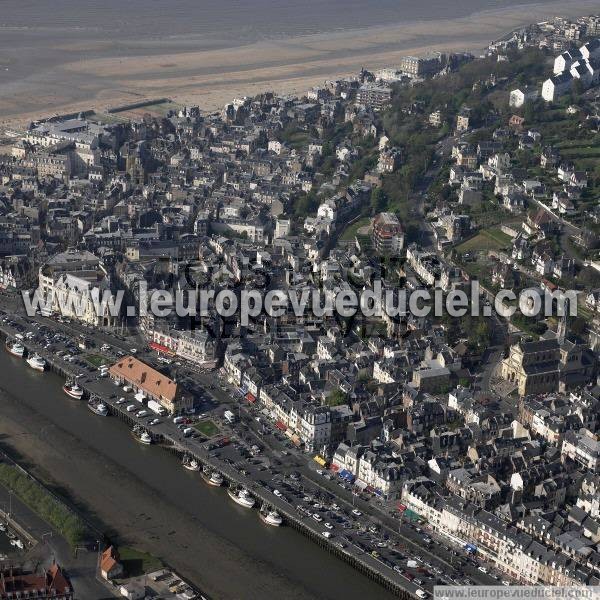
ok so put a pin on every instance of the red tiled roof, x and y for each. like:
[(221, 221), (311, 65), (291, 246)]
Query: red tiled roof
[(145, 378)]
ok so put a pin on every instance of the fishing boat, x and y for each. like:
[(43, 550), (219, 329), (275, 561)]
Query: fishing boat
[(98, 407), (36, 362), (190, 463), (212, 477), (15, 348), (270, 516), (242, 497), (72, 389), (141, 435)]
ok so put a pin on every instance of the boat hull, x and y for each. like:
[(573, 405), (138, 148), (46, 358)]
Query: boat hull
[(191, 467), (241, 501), (37, 368), (15, 352), (75, 395), (97, 412), (268, 520), (210, 481)]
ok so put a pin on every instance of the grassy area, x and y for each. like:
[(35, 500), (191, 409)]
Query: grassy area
[(350, 232), (137, 563), (207, 428), (96, 360), (490, 239), (108, 119), (43, 503)]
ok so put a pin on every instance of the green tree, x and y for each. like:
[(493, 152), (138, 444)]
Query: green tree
[(379, 200), (336, 398)]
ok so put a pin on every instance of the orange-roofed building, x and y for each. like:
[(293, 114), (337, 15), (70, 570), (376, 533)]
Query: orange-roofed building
[(151, 383), (110, 567), (15, 583)]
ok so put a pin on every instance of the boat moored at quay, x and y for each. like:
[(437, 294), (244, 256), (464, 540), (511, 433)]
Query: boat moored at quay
[(73, 390), (141, 435), (97, 407), (270, 516), (37, 362), (190, 463), (212, 477), (241, 496), (15, 348)]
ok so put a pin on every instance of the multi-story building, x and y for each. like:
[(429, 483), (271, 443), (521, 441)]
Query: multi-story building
[(388, 236), (374, 96)]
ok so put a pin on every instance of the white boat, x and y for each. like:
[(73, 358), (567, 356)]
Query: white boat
[(271, 517), (191, 464), (15, 348), (36, 362), (98, 407), (73, 390), (242, 497), (141, 435), (212, 477)]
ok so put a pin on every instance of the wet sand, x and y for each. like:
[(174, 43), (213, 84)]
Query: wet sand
[(97, 74)]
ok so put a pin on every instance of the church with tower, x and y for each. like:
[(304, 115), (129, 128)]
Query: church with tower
[(554, 363)]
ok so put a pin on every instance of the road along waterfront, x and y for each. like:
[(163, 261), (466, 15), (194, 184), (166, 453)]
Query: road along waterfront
[(141, 495)]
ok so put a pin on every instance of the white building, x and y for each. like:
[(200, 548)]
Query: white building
[(521, 96), (556, 86)]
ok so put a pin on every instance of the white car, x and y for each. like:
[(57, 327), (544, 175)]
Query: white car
[(131, 408), (483, 569), (154, 422), (328, 525), (317, 517), (277, 493), (356, 512), (421, 593), (120, 400), (334, 506), (327, 534), (141, 414)]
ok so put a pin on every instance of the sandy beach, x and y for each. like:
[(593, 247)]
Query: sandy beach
[(95, 77)]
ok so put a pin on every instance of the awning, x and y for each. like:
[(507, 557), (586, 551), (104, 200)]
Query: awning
[(402, 507), (360, 484), (333, 467), (161, 348), (281, 425), (289, 433), (251, 398), (345, 474), (320, 460)]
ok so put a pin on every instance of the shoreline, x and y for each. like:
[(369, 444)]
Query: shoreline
[(211, 77)]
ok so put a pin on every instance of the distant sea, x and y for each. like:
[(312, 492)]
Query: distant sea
[(232, 20)]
